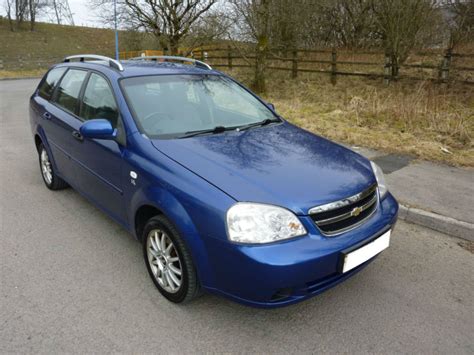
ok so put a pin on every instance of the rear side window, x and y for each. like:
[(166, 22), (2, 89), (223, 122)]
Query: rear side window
[(49, 83), (98, 101), (69, 89)]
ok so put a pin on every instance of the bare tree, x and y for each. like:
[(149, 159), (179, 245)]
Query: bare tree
[(21, 10), (32, 10), (173, 23), (8, 8), (169, 20), (459, 16), (348, 23), (262, 28), (210, 26), (253, 19), (285, 25), (400, 23), (33, 7)]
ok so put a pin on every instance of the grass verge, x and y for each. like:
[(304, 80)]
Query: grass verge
[(423, 119)]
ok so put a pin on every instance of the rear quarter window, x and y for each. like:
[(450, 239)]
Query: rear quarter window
[(47, 86)]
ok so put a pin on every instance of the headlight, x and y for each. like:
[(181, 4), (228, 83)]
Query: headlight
[(258, 223), (383, 189)]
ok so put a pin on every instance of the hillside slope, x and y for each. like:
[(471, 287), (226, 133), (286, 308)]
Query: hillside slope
[(49, 43)]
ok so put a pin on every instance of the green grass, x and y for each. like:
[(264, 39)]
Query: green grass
[(49, 43)]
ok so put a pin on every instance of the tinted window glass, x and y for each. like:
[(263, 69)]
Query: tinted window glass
[(171, 105), (47, 86), (98, 101), (69, 88)]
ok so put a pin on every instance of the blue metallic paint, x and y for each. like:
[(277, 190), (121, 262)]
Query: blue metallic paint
[(98, 129), (195, 181), (291, 264), (281, 165)]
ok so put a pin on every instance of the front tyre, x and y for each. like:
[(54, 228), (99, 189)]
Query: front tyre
[(51, 180), (168, 261)]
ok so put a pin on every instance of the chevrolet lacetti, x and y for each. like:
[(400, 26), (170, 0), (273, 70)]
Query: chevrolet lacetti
[(223, 193)]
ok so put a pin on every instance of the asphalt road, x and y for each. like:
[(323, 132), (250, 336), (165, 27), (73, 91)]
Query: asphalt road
[(72, 280)]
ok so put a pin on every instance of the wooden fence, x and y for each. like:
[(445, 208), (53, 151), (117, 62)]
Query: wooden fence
[(429, 65), (443, 67)]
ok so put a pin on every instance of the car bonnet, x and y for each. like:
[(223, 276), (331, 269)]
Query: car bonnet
[(279, 164)]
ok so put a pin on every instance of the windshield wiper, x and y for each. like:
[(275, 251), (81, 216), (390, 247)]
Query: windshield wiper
[(221, 129), (265, 122), (215, 130)]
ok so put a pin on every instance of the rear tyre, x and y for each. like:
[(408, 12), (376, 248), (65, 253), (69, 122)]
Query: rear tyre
[(51, 180), (169, 262)]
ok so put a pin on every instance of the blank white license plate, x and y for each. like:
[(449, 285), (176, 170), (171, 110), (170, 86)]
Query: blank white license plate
[(368, 251)]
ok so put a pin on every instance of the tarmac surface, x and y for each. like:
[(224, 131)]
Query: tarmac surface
[(72, 280)]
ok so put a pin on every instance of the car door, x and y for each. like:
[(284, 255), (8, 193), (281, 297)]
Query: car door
[(100, 161), (61, 123), (40, 112)]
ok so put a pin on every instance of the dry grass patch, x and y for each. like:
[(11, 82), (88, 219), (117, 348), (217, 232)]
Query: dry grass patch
[(32, 73), (423, 119)]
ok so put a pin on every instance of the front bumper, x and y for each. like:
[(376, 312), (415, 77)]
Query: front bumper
[(286, 272)]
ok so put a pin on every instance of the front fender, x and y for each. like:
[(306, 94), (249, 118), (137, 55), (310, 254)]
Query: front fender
[(167, 204), (195, 207)]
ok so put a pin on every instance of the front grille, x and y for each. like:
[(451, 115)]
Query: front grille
[(340, 216)]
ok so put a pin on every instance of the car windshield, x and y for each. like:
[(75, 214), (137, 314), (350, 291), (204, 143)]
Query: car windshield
[(169, 106)]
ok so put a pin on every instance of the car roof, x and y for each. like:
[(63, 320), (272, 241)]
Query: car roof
[(132, 68)]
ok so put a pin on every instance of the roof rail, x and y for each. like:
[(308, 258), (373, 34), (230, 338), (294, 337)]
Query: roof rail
[(197, 63), (112, 62)]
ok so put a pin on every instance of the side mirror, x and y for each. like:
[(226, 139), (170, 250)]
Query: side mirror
[(98, 129), (271, 106)]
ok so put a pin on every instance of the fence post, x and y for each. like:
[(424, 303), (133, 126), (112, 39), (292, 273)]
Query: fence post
[(229, 56), (443, 73), (333, 66), (395, 67), (387, 69), (294, 69)]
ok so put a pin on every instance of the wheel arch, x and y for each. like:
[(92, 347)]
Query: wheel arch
[(38, 141), (179, 217), (142, 215), (40, 138)]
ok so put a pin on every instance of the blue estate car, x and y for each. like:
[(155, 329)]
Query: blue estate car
[(225, 195)]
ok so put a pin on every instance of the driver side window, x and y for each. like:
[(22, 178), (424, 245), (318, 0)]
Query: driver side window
[(98, 101)]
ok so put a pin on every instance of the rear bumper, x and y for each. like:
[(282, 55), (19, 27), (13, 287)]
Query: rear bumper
[(283, 273)]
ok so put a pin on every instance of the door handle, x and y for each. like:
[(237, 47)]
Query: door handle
[(47, 115), (77, 135)]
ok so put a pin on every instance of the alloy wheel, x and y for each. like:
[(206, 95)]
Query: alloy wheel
[(46, 169), (164, 261)]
